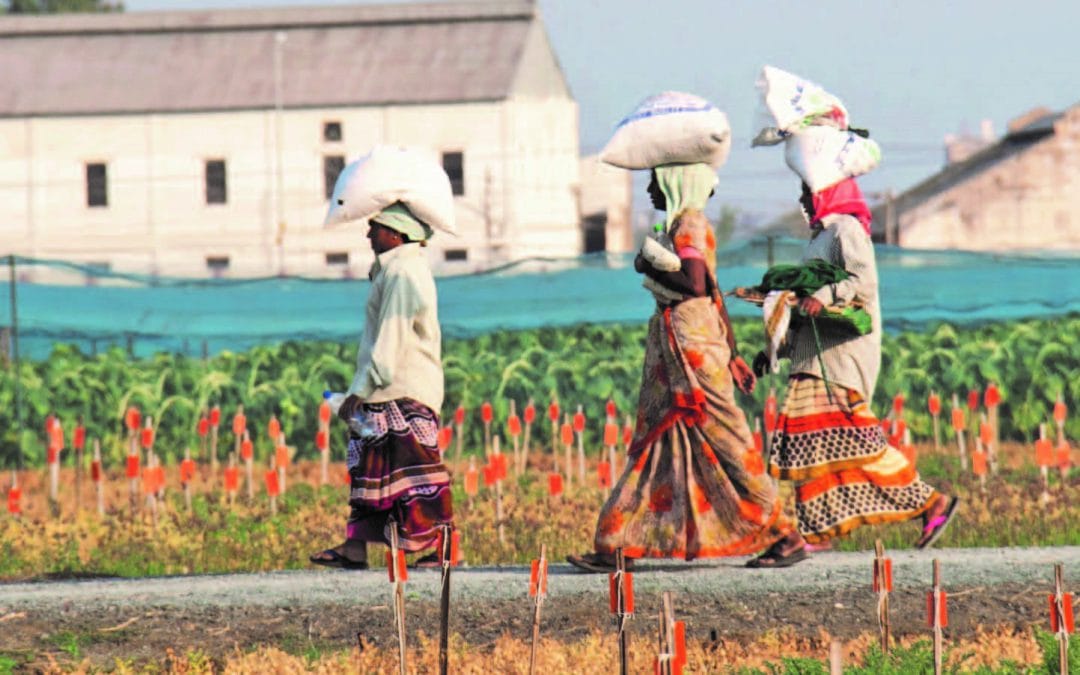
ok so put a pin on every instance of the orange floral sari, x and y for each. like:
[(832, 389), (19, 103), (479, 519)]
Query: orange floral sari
[(694, 485)]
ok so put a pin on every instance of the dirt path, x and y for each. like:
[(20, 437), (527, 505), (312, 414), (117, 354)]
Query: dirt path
[(326, 609)]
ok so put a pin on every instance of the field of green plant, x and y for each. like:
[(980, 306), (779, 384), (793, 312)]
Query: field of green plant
[(1031, 362)]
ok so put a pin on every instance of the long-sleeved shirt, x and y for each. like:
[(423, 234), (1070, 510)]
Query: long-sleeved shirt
[(852, 362), (400, 350)]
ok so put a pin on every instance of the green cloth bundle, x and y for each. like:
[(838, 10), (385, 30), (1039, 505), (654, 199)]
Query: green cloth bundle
[(805, 280)]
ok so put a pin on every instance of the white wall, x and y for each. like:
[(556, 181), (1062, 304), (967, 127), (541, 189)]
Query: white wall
[(520, 163)]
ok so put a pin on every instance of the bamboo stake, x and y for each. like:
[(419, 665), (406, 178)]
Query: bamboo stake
[(77, 440), (1043, 446), (621, 610), (281, 466), (569, 452), (249, 466), (399, 594), (133, 476), (836, 657), (498, 492), (938, 600), (579, 431), (530, 412), (446, 551), (883, 585), (273, 493), (514, 438), (958, 427), (148, 485), (1063, 619), (934, 404), (187, 482), (538, 589), (97, 476)]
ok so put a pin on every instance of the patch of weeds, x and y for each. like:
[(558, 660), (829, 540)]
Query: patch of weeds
[(69, 642), (8, 663)]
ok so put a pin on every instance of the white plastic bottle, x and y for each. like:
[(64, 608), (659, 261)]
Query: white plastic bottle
[(358, 422)]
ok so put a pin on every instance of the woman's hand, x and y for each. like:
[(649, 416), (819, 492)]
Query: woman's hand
[(742, 375), (641, 264), (811, 306), (348, 407)]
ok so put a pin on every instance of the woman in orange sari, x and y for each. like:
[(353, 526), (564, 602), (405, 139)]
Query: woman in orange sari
[(694, 485)]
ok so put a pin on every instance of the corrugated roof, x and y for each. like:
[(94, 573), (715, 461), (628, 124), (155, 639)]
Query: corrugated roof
[(219, 60)]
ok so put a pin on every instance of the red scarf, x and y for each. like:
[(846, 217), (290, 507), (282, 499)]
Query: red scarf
[(844, 197)]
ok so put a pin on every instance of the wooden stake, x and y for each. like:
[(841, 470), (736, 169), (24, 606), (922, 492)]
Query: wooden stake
[(1043, 447), (399, 595), (937, 605), (836, 657), (569, 451), (97, 475), (496, 453), (934, 403), (958, 428), (623, 611), (446, 556), (77, 445), (579, 432), (538, 589), (1062, 618), (530, 412), (882, 585), (187, 483)]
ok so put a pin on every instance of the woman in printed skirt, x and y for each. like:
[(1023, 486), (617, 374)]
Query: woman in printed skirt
[(694, 484), (827, 439), (397, 478)]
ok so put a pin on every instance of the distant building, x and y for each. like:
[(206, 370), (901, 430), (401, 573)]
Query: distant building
[(606, 198), (207, 142), (1019, 192)]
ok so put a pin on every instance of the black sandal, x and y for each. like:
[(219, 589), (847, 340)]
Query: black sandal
[(331, 558), (773, 558), (596, 563)]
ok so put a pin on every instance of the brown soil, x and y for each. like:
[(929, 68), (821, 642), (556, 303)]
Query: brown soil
[(71, 634)]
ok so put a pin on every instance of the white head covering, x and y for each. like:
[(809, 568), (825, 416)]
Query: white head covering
[(813, 126)]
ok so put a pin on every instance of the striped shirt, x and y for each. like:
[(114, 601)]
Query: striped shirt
[(852, 362)]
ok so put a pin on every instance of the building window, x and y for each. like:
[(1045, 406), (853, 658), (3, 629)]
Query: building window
[(331, 131), (216, 192), (331, 168), (217, 264), (453, 163), (97, 185), (337, 258), (455, 254)]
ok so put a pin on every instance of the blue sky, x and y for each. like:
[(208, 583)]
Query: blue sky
[(910, 71)]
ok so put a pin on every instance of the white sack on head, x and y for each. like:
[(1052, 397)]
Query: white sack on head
[(792, 100), (392, 174), (824, 156), (670, 128)]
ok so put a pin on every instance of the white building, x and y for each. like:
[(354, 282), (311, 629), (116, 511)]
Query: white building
[(154, 142)]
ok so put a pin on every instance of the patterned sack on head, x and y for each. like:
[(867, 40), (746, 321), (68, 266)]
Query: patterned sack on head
[(823, 156), (670, 128), (793, 101), (391, 174)]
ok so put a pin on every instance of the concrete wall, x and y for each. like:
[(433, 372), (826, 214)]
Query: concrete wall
[(520, 166), (1030, 201)]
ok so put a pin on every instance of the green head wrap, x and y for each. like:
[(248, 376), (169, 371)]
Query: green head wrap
[(685, 186), (398, 218)]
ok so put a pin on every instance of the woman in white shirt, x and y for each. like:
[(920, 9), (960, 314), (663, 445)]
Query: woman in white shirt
[(395, 468)]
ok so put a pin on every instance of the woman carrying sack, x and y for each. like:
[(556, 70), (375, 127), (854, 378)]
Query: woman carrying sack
[(694, 484), (827, 439), (396, 474)]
